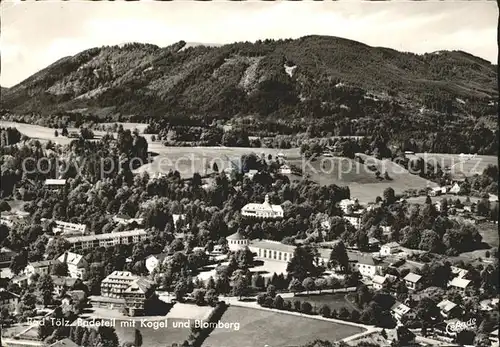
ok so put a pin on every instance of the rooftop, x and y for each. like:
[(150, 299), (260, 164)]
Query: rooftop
[(135, 232), (446, 305), (459, 282), (412, 277), (236, 236), (55, 182)]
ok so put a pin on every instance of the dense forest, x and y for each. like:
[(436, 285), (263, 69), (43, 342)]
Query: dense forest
[(317, 85)]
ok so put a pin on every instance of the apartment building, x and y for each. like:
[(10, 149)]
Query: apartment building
[(77, 265), (106, 240)]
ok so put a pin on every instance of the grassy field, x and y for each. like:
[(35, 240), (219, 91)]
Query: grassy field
[(334, 301), (460, 165), (260, 328), (326, 170)]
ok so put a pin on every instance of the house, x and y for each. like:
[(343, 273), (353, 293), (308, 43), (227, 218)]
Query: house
[(493, 198), (237, 241), (251, 173), (73, 296), (400, 311), (122, 289), (354, 219), (264, 210), (448, 309), (344, 204), (38, 267), (9, 300), (67, 228), (402, 336), (373, 243), (437, 191), (493, 336), (230, 173), (6, 255), (285, 169), (389, 249), (66, 342), (124, 219), (178, 217), (366, 265), (62, 283), (460, 284), (413, 281), (76, 263), (378, 282), (54, 184), (455, 189), (154, 260), (105, 240), (458, 272)]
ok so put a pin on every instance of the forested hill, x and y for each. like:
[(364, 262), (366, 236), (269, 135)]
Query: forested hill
[(317, 83)]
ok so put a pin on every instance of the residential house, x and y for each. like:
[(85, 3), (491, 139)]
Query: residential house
[(459, 272), (373, 243), (402, 336), (251, 173), (455, 189), (237, 241), (76, 263), (437, 191), (285, 169), (124, 219), (493, 198), (413, 281), (354, 219), (400, 312), (493, 336), (38, 267), (378, 282), (367, 265), (154, 260), (55, 184), (345, 204), (63, 283), (67, 228), (105, 240), (460, 284), (449, 309), (178, 217), (6, 255), (264, 210), (388, 249), (9, 300)]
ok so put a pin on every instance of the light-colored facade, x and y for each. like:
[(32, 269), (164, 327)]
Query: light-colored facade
[(39, 267), (388, 249), (413, 281), (272, 250), (61, 227), (378, 282), (154, 260), (285, 169), (237, 242), (106, 240), (345, 204), (265, 210), (400, 311), (126, 220), (354, 219), (9, 300), (55, 183), (76, 264)]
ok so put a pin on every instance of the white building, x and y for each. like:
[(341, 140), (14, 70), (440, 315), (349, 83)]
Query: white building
[(38, 267), (389, 249), (236, 242), (400, 311), (76, 264), (154, 260), (413, 281), (378, 282), (126, 220), (459, 272), (178, 217), (455, 189), (354, 219), (273, 250), (366, 265), (251, 173), (345, 204), (265, 210), (285, 169), (106, 240), (460, 284), (61, 227), (54, 183)]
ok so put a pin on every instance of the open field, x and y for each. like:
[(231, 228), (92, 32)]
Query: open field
[(459, 165), (334, 301), (260, 328), (189, 311), (362, 182)]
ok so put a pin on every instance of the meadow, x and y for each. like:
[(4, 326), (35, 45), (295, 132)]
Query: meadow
[(260, 328)]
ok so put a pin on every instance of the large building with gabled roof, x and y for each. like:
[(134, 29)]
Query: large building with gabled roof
[(264, 210)]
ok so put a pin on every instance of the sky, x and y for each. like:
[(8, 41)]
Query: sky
[(36, 34)]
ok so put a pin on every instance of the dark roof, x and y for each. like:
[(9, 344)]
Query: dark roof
[(236, 236)]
